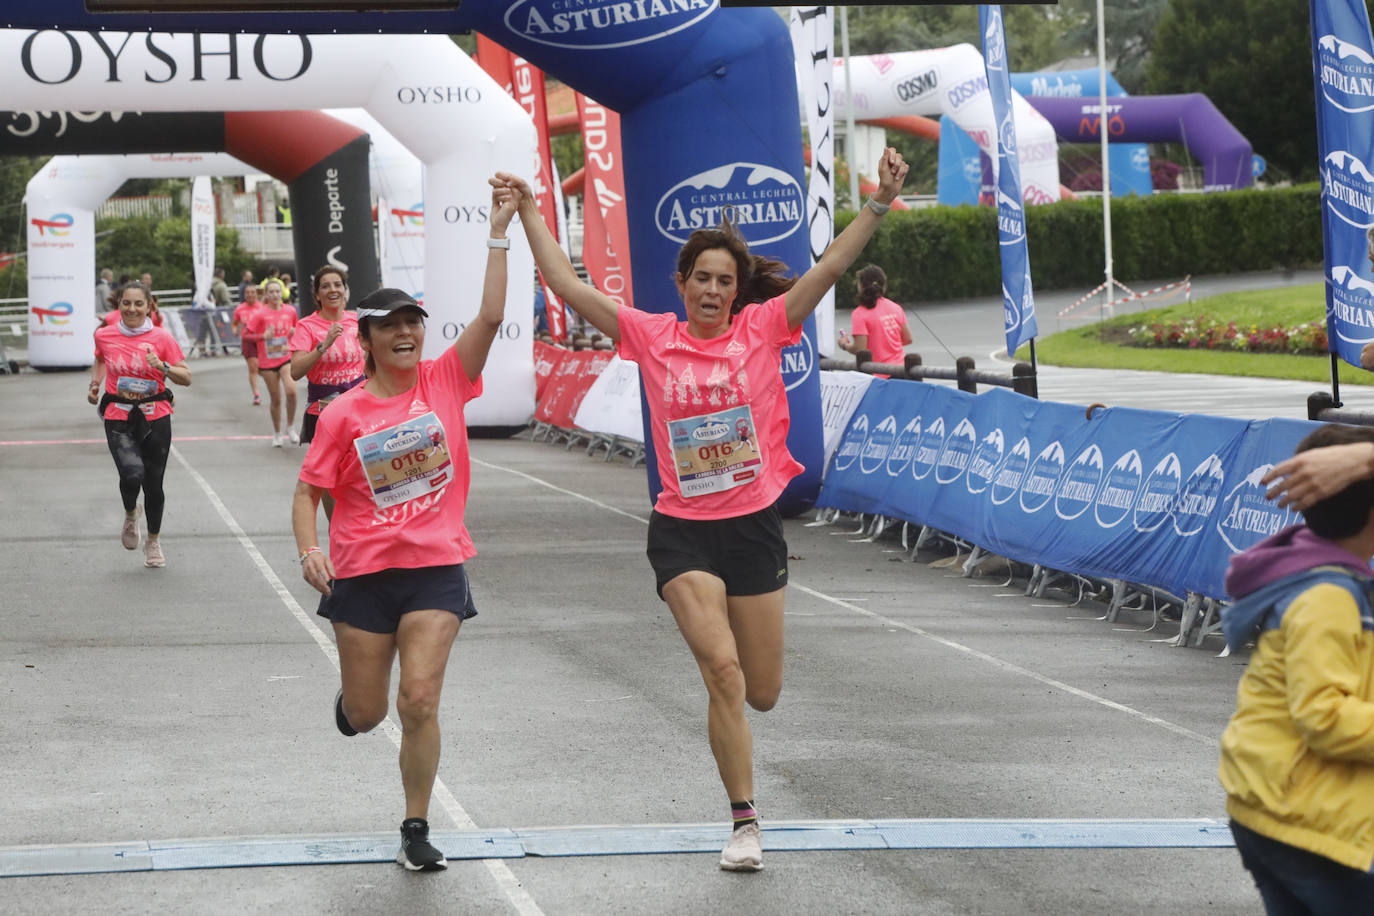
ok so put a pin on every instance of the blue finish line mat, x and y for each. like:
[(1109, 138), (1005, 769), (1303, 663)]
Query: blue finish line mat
[(778, 836)]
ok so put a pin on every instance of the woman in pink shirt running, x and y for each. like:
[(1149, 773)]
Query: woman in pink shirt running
[(719, 418), (134, 361), (393, 453), (879, 324)]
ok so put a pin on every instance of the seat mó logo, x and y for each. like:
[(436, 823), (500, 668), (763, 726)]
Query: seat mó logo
[(597, 24), (766, 203)]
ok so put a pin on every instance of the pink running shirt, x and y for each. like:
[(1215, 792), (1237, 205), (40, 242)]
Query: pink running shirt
[(339, 366), (243, 314), (127, 371), (718, 409), (883, 324), (416, 447), (273, 328)]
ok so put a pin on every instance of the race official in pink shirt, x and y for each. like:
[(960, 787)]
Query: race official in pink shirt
[(718, 415), (393, 453), (134, 361)]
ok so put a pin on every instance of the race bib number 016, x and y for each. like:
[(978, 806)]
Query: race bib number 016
[(715, 452), (405, 461)]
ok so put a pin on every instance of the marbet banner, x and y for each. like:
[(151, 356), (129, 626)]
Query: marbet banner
[(1343, 74), (1145, 496)]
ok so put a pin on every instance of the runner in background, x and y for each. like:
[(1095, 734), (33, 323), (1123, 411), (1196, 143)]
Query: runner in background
[(272, 325), (719, 417), (248, 344), (134, 361), (879, 324), (393, 452), (325, 350)]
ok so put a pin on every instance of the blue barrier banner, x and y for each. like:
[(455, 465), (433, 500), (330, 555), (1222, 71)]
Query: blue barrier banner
[(1343, 74), (1151, 497), (1018, 299)]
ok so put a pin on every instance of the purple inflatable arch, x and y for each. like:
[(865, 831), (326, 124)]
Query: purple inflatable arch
[(1189, 119)]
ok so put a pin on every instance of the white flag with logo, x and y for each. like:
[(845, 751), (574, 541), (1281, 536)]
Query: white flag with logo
[(202, 238)]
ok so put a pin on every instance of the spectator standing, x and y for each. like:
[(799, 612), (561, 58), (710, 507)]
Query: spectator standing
[(244, 282), (1297, 759), (103, 289)]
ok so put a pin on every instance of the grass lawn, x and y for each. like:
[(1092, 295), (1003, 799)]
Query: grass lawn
[(1106, 345)]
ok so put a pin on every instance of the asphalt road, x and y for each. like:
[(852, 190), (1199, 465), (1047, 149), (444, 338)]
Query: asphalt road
[(194, 701)]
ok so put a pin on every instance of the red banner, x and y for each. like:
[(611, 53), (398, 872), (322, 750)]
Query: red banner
[(494, 59), (605, 226), (546, 359), (568, 383), (528, 88)]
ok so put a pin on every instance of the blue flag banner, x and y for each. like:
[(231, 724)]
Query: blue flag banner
[(1151, 497), (1343, 76), (1018, 300)]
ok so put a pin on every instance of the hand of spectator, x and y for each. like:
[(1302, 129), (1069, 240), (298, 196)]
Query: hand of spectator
[(1311, 476)]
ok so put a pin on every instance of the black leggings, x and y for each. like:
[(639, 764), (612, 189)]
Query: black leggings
[(140, 450)]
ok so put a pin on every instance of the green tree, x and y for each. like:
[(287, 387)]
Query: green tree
[(162, 247), (1253, 59)]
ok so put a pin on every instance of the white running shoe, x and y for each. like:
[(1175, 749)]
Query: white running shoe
[(276, 440), (744, 852), (294, 436), (128, 533), (152, 553)]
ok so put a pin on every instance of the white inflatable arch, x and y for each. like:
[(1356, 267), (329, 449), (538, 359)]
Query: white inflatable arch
[(953, 82), (439, 104)]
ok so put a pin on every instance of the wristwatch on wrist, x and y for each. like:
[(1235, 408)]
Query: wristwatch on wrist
[(498, 243)]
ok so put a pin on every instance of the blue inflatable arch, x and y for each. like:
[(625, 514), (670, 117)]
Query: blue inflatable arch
[(709, 118)]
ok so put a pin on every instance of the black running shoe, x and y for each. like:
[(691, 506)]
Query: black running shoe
[(340, 719), (416, 852)]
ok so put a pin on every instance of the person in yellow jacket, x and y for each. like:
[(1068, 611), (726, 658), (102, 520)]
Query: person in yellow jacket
[(1297, 759)]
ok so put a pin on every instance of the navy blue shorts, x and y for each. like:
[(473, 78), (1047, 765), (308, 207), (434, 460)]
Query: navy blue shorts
[(376, 601), (748, 553)]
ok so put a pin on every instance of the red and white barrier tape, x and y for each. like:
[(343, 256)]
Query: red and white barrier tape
[(1186, 283)]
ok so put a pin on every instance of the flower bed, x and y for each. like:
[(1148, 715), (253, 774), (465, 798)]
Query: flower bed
[(1204, 333)]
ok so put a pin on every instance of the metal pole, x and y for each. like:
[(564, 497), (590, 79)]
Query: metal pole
[(1335, 381), (854, 200), (1106, 172)]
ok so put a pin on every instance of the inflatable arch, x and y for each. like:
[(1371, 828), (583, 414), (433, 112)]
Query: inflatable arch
[(707, 121), (952, 82), (318, 146), (440, 105), (1189, 119), (965, 174)]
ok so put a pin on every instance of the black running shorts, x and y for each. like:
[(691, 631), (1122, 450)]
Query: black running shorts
[(748, 553), (376, 601)]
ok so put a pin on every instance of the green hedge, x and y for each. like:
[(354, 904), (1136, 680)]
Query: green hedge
[(951, 252)]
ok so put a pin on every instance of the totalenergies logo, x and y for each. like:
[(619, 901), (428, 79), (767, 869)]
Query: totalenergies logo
[(59, 224), (413, 216), (57, 313), (766, 203), (597, 24)]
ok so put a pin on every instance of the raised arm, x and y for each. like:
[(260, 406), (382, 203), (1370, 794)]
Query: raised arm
[(475, 342), (803, 298), (589, 302)]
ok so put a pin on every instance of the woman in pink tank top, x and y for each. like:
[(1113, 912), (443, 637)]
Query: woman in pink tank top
[(718, 416)]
